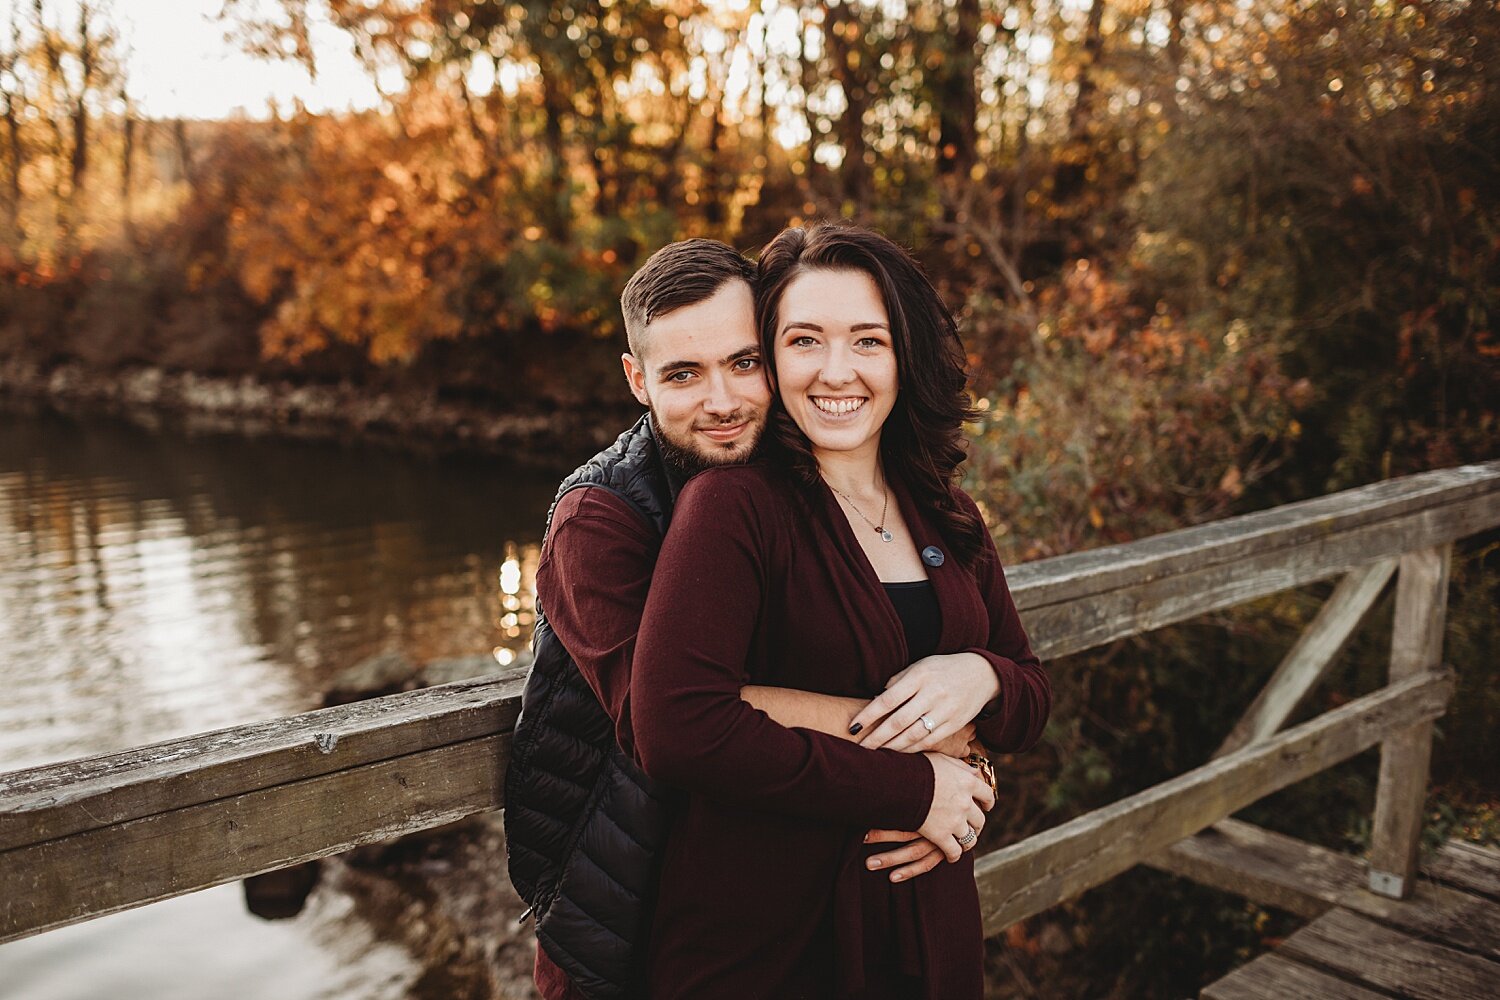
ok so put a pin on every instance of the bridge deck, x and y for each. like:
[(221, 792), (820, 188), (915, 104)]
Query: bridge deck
[(1442, 944)]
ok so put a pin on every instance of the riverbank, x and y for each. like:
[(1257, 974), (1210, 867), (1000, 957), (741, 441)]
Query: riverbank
[(415, 419)]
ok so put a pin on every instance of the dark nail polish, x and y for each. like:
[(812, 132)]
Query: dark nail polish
[(854, 729)]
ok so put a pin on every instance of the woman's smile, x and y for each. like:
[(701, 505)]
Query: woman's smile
[(836, 360), (838, 406)]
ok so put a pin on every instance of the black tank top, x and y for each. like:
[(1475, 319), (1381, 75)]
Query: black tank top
[(921, 617)]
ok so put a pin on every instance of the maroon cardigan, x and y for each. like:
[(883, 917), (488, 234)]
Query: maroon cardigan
[(763, 889)]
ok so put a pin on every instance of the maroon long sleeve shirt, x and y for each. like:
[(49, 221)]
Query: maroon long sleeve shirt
[(763, 889)]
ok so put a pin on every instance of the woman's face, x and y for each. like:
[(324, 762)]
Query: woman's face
[(835, 359)]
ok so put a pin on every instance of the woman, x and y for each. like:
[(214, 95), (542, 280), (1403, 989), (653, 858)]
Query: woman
[(844, 557)]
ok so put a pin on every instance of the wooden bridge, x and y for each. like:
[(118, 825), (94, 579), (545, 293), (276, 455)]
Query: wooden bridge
[(95, 836)]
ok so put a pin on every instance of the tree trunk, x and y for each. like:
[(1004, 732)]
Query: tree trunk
[(841, 31), (1077, 150)]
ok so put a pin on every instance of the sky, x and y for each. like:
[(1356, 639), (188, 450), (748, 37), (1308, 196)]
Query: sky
[(181, 65)]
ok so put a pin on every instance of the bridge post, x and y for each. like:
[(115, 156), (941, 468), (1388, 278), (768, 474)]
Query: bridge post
[(1416, 645)]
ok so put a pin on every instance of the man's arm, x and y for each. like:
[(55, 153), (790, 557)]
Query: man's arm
[(591, 581), (832, 714)]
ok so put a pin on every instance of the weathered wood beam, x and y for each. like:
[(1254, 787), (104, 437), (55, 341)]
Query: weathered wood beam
[(1041, 871), (1082, 574), (1289, 874), (1310, 657), (1172, 591), (57, 800), (111, 868), (1271, 977), (1401, 793)]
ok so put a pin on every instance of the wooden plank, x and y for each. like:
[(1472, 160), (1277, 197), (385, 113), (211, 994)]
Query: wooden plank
[(40, 803), (1272, 977), (1155, 600), (72, 878), (1468, 867), (1301, 878), (1401, 794), (1081, 574), (1309, 658), (1360, 950), (1043, 870), (1268, 868)]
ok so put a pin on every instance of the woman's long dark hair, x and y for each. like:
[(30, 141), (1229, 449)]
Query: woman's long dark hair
[(922, 442)]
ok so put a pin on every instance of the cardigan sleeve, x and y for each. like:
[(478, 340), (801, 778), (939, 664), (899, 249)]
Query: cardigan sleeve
[(691, 727), (1025, 699)]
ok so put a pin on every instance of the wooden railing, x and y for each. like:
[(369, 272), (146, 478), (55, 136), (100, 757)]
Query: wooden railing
[(94, 836)]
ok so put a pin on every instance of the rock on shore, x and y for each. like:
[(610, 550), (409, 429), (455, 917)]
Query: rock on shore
[(342, 411)]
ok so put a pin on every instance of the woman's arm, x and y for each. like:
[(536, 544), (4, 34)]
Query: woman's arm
[(691, 727), (1014, 722), (1001, 687)]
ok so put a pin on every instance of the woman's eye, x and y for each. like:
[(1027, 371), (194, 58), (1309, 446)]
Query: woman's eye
[(803, 341), (870, 343)]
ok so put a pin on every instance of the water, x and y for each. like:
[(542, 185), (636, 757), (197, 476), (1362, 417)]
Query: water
[(154, 585)]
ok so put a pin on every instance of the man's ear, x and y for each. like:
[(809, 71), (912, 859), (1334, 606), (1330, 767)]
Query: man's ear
[(635, 374)]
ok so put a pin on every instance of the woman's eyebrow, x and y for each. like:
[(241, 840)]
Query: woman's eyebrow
[(869, 326), (801, 325)]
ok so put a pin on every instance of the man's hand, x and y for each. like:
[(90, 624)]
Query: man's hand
[(957, 745), (916, 856)]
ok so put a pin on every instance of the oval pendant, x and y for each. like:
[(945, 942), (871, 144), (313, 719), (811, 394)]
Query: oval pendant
[(885, 536)]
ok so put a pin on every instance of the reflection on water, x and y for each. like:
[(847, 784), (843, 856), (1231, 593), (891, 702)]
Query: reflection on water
[(153, 586)]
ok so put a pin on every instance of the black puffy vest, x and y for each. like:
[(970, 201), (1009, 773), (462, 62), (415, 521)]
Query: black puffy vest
[(584, 826)]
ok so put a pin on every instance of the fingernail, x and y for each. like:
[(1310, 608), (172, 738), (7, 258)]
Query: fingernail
[(867, 838), (874, 863), (854, 729), (897, 876)]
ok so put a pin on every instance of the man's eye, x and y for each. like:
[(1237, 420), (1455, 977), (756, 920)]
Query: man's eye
[(682, 376), (747, 364)]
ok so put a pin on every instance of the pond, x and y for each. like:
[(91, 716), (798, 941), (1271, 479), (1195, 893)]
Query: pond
[(155, 584)]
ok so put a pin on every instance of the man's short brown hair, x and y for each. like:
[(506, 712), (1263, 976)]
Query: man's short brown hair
[(679, 274)]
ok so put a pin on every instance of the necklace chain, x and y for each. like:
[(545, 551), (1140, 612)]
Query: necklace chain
[(885, 507)]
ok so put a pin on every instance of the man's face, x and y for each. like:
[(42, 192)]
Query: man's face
[(700, 372)]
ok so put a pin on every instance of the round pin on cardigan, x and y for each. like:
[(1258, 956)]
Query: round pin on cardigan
[(932, 556)]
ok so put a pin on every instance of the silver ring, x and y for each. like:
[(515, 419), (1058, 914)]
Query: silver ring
[(968, 838), (927, 723)]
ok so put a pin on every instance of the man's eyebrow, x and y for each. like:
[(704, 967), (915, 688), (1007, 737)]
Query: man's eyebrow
[(677, 366), (743, 352)]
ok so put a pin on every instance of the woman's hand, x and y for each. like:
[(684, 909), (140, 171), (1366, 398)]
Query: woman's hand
[(948, 690), (960, 798)]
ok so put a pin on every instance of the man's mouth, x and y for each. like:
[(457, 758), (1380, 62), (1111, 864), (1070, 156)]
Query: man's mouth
[(838, 407), (724, 432)]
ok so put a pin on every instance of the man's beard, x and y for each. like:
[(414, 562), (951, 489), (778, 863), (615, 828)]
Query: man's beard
[(690, 460)]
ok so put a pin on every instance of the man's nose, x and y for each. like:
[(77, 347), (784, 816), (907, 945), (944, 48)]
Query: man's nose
[(722, 399)]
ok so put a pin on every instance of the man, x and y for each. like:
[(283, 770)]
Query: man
[(583, 823)]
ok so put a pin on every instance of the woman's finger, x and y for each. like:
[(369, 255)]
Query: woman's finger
[(895, 724), (976, 819), (881, 706), (910, 739)]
